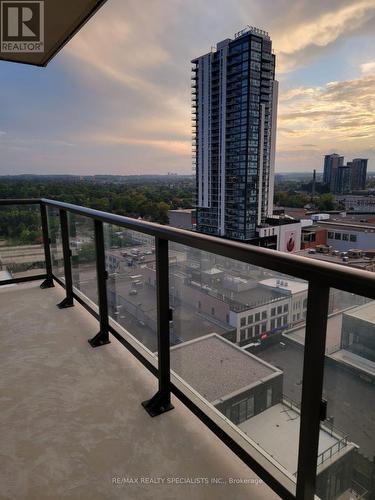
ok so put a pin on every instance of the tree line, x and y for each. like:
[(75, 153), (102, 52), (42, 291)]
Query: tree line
[(150, 200)]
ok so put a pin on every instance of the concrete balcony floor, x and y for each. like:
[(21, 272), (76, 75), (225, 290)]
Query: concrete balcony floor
[(71, 420)]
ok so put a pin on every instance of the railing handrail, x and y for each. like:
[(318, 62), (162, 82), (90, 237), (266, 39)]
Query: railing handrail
[(334, 275), (321, 276), (328, 451)]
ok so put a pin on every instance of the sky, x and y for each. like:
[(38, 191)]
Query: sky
[(116, 99)]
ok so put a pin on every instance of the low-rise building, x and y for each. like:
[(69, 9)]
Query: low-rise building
[(312, 236), (358, 331), (183, 218), (239, 384), (357, 203), (287, 231), (278, 304), (345, 236), (249, 392)]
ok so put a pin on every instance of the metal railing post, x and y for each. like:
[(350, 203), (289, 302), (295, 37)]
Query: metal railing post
[(102, 337), (48, 282), (161, 401), (67, 254), (312, 385)]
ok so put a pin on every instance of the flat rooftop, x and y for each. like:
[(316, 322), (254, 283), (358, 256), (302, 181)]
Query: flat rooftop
[(256, 296), (276, 430), (365, 312), (364, 227), (285, 285), (217, 368), (333, 338), (72, 425), (182, 210), (361, 262), (245, 299)]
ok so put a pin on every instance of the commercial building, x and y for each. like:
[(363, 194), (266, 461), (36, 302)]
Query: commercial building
[(286, 230), (283, 307), (234, 119), (357, 203), (255, 309), (341, 232), (347, 236), (313, 236)]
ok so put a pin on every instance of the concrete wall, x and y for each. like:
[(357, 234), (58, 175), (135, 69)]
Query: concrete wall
[(364, 240), (194, 297), (203, 302), (358, 336), (320, 239), (181, 218), (336, 479), (259, 392), (298, 307)]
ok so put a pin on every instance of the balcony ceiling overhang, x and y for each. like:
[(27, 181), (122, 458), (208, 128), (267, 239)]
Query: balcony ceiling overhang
[(59, 21)]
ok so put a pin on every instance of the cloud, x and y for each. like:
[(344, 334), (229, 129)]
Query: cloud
[(180, 148), (310, 36), (145, 53), (368, 68), (121, 87), (325, 28), (338, 115), (12, 141)]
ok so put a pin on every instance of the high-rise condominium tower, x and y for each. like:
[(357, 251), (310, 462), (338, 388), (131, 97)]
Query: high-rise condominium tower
[(359, 174), (342, 178), (234, 119), (331, 165)]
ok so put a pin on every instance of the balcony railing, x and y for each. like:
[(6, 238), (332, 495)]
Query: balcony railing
[(321, 277)]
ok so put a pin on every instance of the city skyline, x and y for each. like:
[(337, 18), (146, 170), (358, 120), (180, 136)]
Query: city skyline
[(120, 91)]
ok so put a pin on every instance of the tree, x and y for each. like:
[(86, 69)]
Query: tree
[(326, 202)]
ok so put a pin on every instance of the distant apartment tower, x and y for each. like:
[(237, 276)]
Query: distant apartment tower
[(331, 164), (234, 119), (358, 174), (343, 179)]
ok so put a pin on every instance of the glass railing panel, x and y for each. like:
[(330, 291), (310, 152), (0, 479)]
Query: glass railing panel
[(346, 467), (131, 284), (82, 246), (54, 230), (21, 242), (231, 342)]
